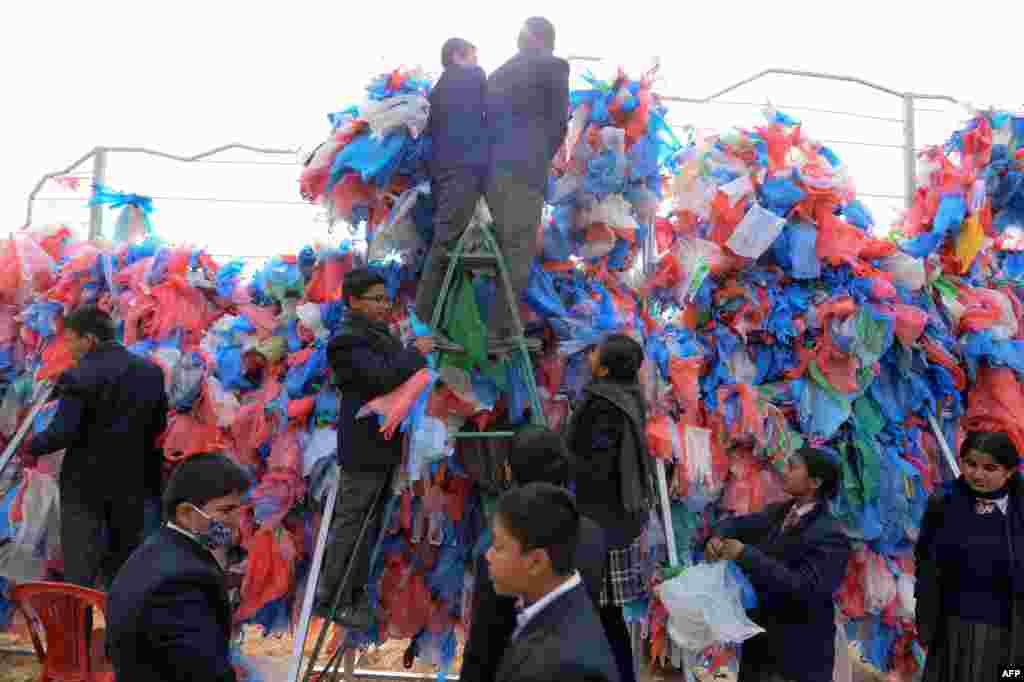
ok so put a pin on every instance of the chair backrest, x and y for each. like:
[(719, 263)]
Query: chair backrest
[(63, 610)]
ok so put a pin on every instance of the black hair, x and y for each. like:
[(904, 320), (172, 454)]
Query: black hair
[(538, 454), (202, 478), (452, 48), (623, 357), (822, 467), (542, 30), (358, 282), (542, 516), (90, 320), (994, 443)]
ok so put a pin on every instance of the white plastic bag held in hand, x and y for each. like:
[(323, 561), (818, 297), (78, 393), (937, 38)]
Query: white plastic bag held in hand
[(704, 608)]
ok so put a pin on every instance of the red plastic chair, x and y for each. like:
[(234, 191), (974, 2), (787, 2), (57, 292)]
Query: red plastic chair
[(63, 609)]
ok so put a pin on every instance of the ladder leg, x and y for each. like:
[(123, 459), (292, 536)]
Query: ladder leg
[(298, 647)]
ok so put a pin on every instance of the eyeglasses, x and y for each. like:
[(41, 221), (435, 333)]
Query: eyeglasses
[(381, 300)]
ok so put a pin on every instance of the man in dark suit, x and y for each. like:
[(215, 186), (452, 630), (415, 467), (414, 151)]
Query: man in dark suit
[(537, 456), (558, 636), (168, 613), (527, 118), (367, 362), (458, 163), (113, 408), (795, 555)]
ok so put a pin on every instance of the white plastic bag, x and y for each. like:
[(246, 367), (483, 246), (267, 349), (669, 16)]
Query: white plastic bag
[(704, 608), (906, 270), (37, 537), (756, 232)]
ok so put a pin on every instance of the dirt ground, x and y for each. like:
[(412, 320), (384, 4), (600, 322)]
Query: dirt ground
[(275, 653)]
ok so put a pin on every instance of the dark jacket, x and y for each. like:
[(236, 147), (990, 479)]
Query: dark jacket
[(494, 615), (528, 114), (563, 643), (113, 408), (938, 545), (607, 440), (367, 362), (168, 614), (794, 574), (457, 126)]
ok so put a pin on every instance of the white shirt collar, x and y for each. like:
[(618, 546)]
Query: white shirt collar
[(194, 538), (530, 612)]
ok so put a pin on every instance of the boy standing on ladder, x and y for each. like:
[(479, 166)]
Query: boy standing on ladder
[(458, 163), (367, 362)]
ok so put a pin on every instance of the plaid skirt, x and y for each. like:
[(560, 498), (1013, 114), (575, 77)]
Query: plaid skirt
[(623, 577)]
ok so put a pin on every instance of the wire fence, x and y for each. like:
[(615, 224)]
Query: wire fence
[(240, 199)]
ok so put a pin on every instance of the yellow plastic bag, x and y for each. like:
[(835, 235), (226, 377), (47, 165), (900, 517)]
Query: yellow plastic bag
[(968, 244)]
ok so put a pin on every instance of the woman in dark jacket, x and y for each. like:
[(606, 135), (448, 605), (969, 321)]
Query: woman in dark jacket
[(607, 439), (970, 579)]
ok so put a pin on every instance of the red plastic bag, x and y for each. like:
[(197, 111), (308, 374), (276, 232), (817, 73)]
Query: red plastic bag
[(838, 241), (909, 322), (270, 572), (250, 430), (57, 359), (684, 375), (186, 436), (996, 403), (660, 432)]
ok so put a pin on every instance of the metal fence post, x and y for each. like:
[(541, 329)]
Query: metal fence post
[(909, 151), (99, 176)]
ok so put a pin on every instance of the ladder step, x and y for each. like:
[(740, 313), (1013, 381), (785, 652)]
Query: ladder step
[(476, 261), (461, 435)]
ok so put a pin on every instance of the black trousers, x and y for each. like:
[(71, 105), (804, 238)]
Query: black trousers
[(615, 630), (98, 535), (456, 191), (356, 493)]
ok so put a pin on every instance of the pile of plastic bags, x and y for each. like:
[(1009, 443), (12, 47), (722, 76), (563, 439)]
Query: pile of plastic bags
[(772, 310)]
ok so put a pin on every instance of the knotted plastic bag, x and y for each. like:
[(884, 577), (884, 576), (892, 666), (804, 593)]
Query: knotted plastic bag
[(393, 408), (705, 607)]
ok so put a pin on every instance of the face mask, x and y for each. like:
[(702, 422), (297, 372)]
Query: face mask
[(218, 535)]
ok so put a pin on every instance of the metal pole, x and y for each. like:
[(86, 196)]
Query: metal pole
[(99, 177), (909, 151)]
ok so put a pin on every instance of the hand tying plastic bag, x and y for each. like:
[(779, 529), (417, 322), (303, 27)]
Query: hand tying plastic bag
[(705, 607)]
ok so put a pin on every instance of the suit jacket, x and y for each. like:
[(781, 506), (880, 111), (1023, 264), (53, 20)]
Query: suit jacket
[(367, 363), (113, 408), (494, 615), (795, 574), (457, 125), (563, 643), (528, 115), (168, 614)]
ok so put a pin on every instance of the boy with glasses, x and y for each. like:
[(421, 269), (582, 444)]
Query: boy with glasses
[(367, 362)]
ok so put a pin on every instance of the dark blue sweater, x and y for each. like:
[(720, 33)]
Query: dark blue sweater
[(974, 556)]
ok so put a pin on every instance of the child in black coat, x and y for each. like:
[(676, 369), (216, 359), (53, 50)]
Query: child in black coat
[(607, 439)]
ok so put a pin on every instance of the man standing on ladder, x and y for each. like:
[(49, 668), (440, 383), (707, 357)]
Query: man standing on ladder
[(458, 163), (527, 119), (367, 362)]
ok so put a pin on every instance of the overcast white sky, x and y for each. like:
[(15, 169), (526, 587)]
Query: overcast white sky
[(187, 76)]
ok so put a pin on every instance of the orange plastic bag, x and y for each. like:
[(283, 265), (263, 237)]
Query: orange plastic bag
[(395, 406), (684, 376), (660, 431)]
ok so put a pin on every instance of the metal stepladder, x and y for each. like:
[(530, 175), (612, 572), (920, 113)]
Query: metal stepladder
[(477, 250)]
